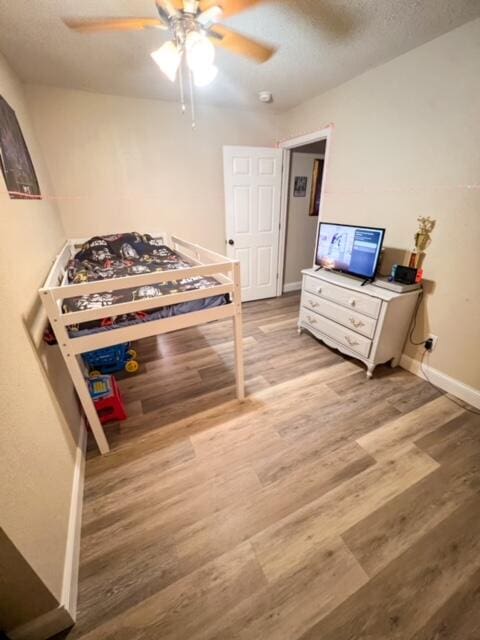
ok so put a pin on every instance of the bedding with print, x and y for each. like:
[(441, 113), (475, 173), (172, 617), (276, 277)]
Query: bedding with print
[(125, 254)]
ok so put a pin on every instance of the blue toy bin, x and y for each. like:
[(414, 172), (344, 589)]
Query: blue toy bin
[(120, 357)]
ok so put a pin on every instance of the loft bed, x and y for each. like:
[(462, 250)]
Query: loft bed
[(186, 286)]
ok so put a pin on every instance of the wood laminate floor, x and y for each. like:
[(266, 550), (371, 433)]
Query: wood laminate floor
[(325, 507)]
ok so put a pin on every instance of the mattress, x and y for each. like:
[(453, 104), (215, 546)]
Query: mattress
[(117, 256)]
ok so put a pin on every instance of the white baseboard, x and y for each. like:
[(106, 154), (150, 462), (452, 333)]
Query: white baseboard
[(56, 620), (459, 389), (72, 551), (292, 286)]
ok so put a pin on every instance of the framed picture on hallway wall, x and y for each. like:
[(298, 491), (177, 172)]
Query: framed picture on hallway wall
[(300, 187), (15, 161), (316, 190)]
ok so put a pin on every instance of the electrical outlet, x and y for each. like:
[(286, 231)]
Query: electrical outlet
[(434, 340)]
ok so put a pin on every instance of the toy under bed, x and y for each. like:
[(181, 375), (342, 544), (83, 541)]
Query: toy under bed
[(106, 257)]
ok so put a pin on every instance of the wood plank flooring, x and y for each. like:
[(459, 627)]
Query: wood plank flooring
[(324, 507)]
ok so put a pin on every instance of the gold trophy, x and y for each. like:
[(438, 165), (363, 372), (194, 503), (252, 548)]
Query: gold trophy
[(422, 240)]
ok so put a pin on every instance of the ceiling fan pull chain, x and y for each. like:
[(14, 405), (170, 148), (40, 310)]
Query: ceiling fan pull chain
[(192, 98)]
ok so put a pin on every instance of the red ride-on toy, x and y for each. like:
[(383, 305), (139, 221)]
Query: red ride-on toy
[(111, 359)]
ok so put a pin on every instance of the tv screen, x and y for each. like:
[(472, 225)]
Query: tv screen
[(350, 249)]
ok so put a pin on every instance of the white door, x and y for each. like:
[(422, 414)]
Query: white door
[(253, 180)]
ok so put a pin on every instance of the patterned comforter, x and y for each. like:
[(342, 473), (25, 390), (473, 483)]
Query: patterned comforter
[(115, 256)]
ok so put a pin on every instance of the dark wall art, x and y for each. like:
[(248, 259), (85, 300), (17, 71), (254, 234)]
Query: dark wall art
[(300, 187), (15, 161)]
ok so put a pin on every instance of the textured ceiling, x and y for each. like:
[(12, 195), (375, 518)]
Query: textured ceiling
[(322, 43)]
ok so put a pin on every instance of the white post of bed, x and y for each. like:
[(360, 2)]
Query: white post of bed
[(75, 370), (237, 332)]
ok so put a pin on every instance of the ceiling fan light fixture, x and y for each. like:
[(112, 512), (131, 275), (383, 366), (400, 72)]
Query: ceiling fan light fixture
[(168, 58), (203, 77), (194, 27), (200, 51)]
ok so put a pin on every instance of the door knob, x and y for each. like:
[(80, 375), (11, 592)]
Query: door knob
[(231, 241)]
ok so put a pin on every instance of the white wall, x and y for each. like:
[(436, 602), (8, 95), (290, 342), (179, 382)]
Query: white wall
[(37, 445), (129, 164), (406, 143), (301, 227)]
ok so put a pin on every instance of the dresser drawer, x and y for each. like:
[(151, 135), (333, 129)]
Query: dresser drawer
[(348, 317), (346, 297), (337, 332)]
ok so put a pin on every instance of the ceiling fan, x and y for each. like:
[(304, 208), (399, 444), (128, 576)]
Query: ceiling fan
[(193, 29)]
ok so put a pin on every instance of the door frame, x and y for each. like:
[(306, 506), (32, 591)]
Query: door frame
[(288, 146)]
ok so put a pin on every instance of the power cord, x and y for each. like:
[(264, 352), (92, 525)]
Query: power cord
[(459, 404), (414, 322)]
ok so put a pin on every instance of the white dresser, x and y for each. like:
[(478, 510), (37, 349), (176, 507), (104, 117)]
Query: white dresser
[(368, 323)]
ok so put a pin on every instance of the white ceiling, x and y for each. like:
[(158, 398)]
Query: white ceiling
[(322, 43)]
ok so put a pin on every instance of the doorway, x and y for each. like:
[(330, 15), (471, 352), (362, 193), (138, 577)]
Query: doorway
[(304, 164), (271, 218)]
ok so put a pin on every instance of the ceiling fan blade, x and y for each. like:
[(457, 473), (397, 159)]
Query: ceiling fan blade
[(169, 7), (114, 24), (188, 6), (234, 42), (229, 7)]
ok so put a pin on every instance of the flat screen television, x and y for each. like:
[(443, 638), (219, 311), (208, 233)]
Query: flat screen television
[(349, 249)]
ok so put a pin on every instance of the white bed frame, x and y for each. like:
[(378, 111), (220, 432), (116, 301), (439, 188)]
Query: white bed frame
[(205, 263)]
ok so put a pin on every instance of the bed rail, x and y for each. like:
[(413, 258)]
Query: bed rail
[(146, 329), (60, 292), (198, 252)]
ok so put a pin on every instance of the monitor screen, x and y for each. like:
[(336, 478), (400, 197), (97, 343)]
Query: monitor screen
[(353, 250)]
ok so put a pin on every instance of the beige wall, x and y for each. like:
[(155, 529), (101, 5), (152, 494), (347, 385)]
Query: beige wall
[(37, 447), (406, 143), (137, 164), (301, 228)]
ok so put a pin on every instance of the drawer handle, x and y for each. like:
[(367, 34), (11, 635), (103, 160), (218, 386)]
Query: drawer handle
[(352, 343), (357, 323), (311, 320), (313, 304), (319, 290), (352, 302)]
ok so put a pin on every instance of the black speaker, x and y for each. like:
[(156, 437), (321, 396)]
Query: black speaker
[(405, 275)]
